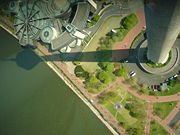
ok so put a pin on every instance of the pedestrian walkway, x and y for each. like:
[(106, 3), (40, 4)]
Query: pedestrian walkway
[(172, 113), (135, 92), (148, 119), (128, 40)]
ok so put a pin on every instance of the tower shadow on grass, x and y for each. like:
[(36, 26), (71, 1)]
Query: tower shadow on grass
[(27, 59)]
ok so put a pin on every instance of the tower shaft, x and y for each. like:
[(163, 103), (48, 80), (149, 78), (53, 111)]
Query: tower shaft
[(163, 27)]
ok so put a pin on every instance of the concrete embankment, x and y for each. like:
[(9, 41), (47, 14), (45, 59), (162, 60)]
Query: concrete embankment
[(68, 82)]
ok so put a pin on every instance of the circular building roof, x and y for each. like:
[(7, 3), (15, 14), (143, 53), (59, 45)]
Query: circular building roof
[(47, 34), (28, 23)]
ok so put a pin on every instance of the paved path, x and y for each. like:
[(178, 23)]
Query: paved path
[(128, 40), (164, 123), (135, 92), (148, 119), (166, 127), (172, 113)]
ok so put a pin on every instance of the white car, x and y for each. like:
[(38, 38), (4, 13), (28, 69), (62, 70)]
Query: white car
[(126, 61), (132, 73)]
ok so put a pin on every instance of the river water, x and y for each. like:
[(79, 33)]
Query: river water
[(34, 101)]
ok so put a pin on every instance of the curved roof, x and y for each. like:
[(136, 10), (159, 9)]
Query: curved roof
[(61, 3), (28, 23), (47, 34)]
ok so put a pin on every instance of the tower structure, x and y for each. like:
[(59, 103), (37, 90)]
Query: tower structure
[(163, 27)]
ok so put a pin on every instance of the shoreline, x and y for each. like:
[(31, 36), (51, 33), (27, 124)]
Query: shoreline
[(70, 84)]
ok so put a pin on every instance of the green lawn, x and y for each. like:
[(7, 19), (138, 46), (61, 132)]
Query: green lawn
[(163, 109), (108, 25), (157, 129), (120, 95), (122, 115)]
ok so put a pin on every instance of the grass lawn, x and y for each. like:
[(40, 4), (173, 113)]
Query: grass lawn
[(123, 97), (107, 26), (122, 115), (163, 109), (157, 129)]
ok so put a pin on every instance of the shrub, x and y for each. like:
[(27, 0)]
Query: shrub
[(104, 77), (130, 21), (133, 131), (172, 83), (96, 18), (76, 62), (122, 72)]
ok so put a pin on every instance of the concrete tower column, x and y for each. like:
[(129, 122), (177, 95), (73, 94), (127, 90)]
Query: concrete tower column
[(163, 27)]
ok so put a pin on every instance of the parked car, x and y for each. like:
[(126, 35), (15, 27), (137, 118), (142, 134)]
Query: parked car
[(132, 73), (155, 87), (126, 61)]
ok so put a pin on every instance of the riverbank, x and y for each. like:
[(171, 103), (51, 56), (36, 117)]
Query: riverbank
[(68, 82), (73, 87)]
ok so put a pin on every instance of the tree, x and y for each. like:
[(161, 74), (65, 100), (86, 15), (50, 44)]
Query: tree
[(115, 38), (121, 72), (80, 72), (107, 66), (104, 77), (133, 131), (93, 79)]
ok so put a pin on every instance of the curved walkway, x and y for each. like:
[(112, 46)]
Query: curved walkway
[(148, 119), (129, 38), (125, 8)]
